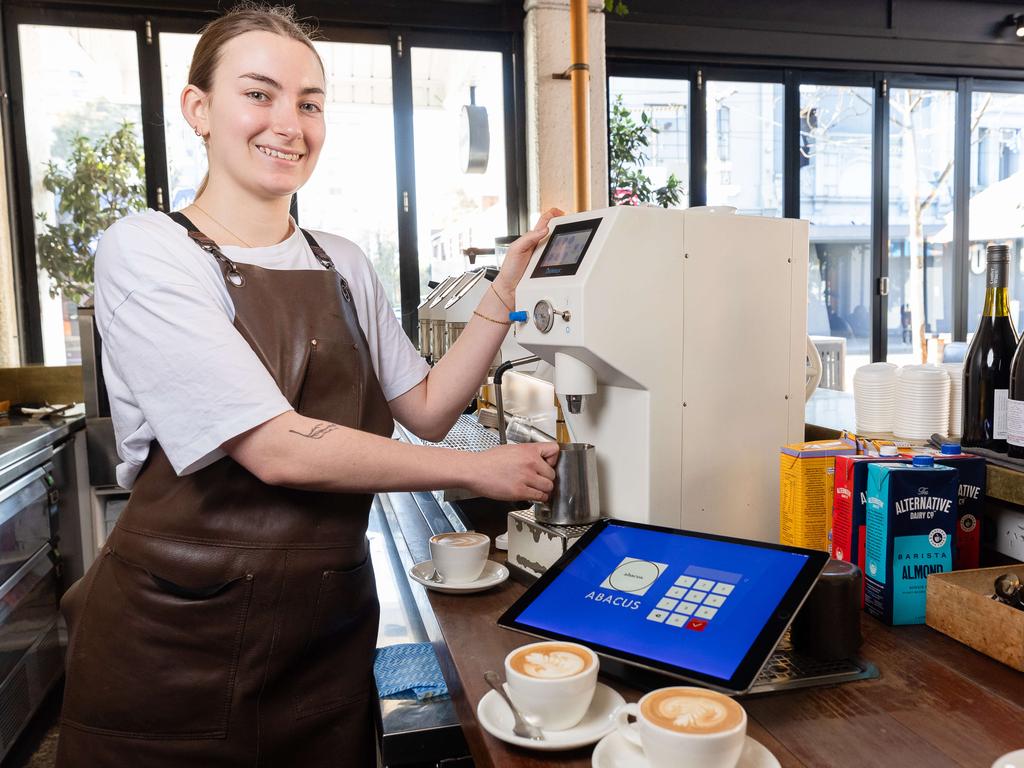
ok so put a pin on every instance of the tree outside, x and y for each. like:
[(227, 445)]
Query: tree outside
[(629, 153), (101, 181)]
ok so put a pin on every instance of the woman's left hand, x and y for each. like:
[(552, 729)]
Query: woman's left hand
[(518, 256)]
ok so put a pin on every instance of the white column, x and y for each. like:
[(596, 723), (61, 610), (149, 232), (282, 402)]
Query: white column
[(549, 107)]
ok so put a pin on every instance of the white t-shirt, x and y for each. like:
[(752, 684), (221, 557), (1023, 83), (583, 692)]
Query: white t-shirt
[(178, 371)]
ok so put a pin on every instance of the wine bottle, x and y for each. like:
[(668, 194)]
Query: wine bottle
[(1015, 405), (988, 362)]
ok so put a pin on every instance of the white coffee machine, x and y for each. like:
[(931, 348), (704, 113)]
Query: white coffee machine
[(678, 345)]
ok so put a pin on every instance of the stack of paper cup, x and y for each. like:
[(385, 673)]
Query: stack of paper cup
[(922, 402), (956, 398), (874, 397)]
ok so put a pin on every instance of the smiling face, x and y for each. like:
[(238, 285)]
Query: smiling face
[(263, 116)]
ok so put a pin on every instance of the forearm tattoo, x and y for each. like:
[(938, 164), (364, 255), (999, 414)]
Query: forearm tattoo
[(318, 431)]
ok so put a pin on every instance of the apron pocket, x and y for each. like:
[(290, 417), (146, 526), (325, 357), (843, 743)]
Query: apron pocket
[(337, 666), (153, 658)]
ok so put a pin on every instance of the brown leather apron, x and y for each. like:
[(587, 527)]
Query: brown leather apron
[(228, 622)]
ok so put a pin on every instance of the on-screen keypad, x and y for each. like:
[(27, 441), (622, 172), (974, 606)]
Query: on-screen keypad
[(691, 602)]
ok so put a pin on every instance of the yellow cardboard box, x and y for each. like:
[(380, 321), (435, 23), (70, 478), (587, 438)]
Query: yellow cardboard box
[(806, 477)]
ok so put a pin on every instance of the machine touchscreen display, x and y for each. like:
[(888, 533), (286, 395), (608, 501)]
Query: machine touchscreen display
[(566, 248), (703, 607)]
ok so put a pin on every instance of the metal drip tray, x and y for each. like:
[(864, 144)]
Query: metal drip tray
[(786, 669), (469, 435)]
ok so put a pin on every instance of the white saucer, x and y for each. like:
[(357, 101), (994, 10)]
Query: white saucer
[(496, 718), (493, 575), (615, 752)]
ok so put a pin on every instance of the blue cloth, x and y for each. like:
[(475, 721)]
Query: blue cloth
[(408, 670)]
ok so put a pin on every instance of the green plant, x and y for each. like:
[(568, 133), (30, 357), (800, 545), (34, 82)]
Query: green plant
[(618, 7), (101, 181), (629, 141)]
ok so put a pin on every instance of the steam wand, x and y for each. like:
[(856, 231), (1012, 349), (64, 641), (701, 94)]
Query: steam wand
[(498, 374)]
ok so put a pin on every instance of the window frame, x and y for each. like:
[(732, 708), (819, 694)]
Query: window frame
[(879, 219), (147, 26), (19, 177), (793, 73), (403, 41)]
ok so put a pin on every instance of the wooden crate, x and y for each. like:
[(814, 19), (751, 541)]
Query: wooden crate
[(958, 605)]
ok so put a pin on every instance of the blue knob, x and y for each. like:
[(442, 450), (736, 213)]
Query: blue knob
[(519, 317), (923, 461), (950, 449)]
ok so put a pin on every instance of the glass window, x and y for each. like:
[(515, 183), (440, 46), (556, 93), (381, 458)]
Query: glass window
[(78, 82), (921, 260), (459, 142), (744, 140), (835, 197), (997, 191), (353, 190), (663, 105), (186, 158)]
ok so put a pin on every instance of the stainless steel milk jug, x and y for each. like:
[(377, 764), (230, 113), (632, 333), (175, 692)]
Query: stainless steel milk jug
[(574, 500)]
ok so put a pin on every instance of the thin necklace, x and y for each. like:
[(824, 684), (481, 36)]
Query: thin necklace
[(207, 214)]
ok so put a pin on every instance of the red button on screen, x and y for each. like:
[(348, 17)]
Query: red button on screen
[(697, 624)]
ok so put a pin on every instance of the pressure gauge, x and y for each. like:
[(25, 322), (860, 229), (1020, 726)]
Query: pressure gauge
[(544, 316)]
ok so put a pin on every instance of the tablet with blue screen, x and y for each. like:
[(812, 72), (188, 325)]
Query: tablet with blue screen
[(704, 608)]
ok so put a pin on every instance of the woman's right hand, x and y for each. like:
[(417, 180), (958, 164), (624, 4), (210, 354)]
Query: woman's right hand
[(514, 472)]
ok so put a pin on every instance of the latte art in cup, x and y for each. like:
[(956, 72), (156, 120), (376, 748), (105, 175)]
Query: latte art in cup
[(690, 711), (552, 682), (459, 556), (550, 661), (457, 539)]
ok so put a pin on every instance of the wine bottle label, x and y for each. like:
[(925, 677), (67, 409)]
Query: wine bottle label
[(1015, 422), (999, 403)]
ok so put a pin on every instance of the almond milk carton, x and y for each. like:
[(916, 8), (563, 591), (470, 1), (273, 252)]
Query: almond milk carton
[(971, 501), (911, 521)]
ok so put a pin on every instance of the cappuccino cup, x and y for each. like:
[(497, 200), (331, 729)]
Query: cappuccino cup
[(459, 557), (552, 683), (683, 727)]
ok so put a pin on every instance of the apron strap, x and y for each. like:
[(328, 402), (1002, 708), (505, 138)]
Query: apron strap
[(318, 252), (326, 262), (230, 269), (231, 273)]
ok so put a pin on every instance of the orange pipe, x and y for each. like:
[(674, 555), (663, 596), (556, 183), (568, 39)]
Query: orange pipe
[(580, 76)]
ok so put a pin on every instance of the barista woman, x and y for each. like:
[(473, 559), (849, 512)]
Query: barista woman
[(254, 370)]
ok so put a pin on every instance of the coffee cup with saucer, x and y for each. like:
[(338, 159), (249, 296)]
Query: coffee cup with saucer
[(678, 727), (554, 685), (458, 563)]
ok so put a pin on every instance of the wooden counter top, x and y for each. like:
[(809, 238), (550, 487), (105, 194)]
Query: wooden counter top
[(937, 703)]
